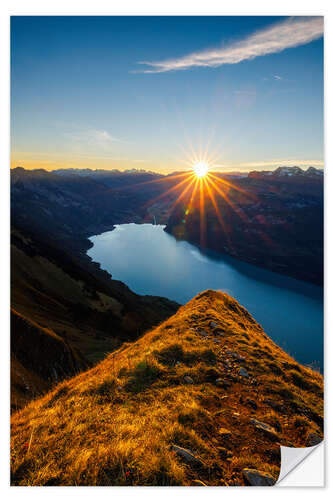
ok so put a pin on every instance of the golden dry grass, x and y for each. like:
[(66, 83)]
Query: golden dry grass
[(116, 423)]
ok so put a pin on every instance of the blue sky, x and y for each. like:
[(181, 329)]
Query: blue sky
[(244, 92)]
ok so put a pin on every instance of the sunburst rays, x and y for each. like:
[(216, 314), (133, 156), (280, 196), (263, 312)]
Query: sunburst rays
[(207, 194), (193, 190)]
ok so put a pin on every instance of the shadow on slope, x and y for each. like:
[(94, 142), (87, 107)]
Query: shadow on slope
[(204, 398)]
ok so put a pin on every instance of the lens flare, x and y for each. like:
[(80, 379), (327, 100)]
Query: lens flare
[(200, 169), (199, 191)]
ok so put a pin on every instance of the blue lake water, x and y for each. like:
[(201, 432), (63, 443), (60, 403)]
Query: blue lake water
[(151, 262)]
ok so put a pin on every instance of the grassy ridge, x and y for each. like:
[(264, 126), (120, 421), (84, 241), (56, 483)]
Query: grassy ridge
[(208, 380)]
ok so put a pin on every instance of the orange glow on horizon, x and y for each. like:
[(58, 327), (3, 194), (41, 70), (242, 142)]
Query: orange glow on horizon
[(196, 192), (197, 187)]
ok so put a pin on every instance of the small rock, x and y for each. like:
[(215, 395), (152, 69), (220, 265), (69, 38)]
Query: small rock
[(217, 341), (186, 455), (235, 355), (265, 429), (313, 439), (258, 478), (203, 333), (197, 482), (243, 373), (238, 356), (221, 382), (188, 380), (212, 324)]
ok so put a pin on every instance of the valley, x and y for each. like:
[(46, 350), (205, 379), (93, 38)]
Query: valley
[(57, 287), (166, 248), (275, 300), (150, 392)]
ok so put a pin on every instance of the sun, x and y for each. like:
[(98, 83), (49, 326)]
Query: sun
[(200, 169)]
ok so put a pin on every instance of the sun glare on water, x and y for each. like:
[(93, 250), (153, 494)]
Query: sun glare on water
[(200, 169)]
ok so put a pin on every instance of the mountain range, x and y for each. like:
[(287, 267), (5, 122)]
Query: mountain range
[(112, 388), (272, 219)]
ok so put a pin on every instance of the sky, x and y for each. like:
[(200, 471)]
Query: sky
[(162, 93)]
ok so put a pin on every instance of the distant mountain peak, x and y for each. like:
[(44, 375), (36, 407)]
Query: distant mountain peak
[(286, 171)]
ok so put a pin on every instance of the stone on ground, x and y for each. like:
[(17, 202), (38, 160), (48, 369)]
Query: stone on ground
[(186, 455), (265, 429), (258, 478)]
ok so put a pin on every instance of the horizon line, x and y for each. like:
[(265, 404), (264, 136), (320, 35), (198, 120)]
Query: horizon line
[(227, 171)]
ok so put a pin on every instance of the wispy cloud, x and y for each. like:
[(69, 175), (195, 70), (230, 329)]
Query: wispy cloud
[(293, 32), (93, 137), (90, 141), (277, 77)]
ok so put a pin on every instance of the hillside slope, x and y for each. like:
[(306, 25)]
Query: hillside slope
[(272, 220), (62, 292), (39, 358), (206, 397)]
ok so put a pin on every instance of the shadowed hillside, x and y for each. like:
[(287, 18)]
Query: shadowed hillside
[(270, 219), (40, 358), (204, 398), (81, 307)]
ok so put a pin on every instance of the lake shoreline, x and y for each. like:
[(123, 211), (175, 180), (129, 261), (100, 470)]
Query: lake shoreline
[(268, 296)]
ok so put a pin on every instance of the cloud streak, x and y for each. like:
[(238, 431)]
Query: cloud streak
[(293, 32), (83, 141), (93, 136)]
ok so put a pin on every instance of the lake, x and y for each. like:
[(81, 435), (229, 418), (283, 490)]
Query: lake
[(152, 262)]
